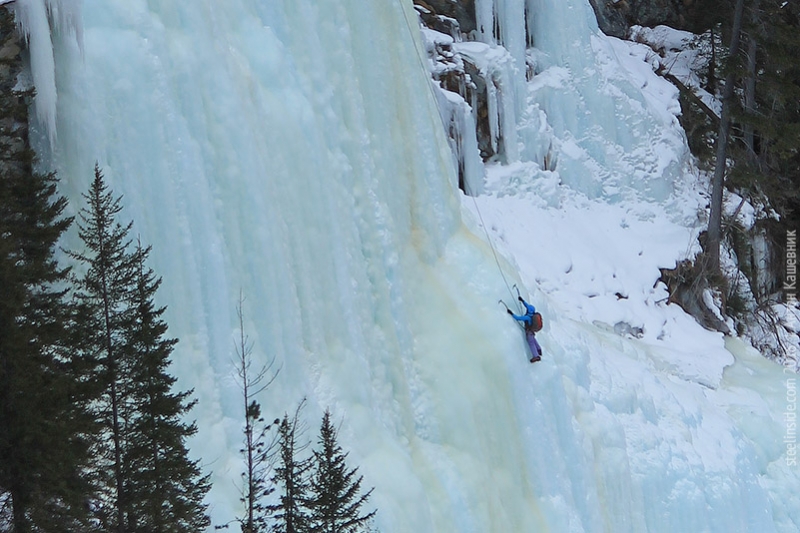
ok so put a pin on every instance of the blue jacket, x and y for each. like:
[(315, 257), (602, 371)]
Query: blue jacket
[(528, 316)]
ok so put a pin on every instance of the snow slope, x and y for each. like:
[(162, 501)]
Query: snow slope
[(667, 420), (293, 151)]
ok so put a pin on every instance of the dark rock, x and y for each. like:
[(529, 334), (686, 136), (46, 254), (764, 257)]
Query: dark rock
[(462, 11), (457, 74), (611, 17), (441, 23), (10, 49), (654, 12), (686, 284), (477, 96), (616, 17), (624, 329)]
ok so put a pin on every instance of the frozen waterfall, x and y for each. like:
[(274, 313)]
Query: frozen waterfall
[(292, 150)]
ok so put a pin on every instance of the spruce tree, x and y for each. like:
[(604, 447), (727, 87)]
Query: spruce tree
[(104, 294), (43, 405), (336, 501), (148, 483), (165, 489), (774, 113), (291, 476)]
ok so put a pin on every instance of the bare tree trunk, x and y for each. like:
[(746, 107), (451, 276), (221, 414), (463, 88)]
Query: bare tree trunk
[(750, 87), (244, 366), (750, 101), (714, 236), (712, 65), (256, 448), (115, 424)]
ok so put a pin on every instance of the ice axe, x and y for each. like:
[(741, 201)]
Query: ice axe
[(519, 296), (517, 289), (510, 311)]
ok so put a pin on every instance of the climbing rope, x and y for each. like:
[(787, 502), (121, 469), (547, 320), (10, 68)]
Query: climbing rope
[(420, 58), (480, 216), (494, 253)]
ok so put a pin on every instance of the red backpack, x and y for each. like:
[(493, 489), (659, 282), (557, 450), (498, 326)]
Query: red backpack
[(535, 324)]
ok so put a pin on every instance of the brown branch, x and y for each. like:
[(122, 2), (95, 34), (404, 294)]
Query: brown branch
[(686, 91)]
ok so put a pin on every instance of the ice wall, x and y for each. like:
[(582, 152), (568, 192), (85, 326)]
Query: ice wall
[(580, 112), (293, 151), (599, 118)]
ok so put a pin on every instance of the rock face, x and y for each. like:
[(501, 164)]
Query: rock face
[(654, 12), (461, 11), (472, 77), (459, 74), (13, 101), (611, 17), (615, 16)]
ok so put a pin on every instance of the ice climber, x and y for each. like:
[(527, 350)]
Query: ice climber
[(532, 325)]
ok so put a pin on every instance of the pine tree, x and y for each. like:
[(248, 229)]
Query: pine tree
[(771, 118), (43, 405), (43, 412), (336, 500), (291, 476), (165, 488), (104, 294), (763, 109), (258, 446), (142, 464)]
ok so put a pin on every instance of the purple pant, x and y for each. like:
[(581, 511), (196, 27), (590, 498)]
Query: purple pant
[(533, 343)]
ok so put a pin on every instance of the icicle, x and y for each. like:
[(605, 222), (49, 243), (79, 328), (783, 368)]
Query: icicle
[(37, 20), (470, 157), (761, 260), (65, 17), (459, 124), (511, 23), (491, 107), (484, 17), (505, 83), (31, 16)]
